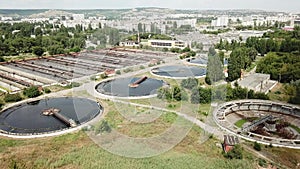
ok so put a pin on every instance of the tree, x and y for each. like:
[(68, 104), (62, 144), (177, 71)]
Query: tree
[(173, 93), (38, 32), (222, 56), (211, 51), (207, 80), (295, 98), (32, 92), (281, 66), (118, 72), (1, 103), (12, 97), (176, 93), (2, 59), (47, 90), (39, 51), (186, 49), (235, 153), (201, 95), (164, 93), (214, 71), (189, 83), (239, 59), (257, 146)]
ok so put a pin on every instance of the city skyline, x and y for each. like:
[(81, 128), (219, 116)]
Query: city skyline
[(269, 5)]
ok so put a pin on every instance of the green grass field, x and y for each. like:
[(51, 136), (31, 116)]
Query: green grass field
[(78, 151), (240, 123)]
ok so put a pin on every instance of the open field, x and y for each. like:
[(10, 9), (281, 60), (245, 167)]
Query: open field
[(78, 151)]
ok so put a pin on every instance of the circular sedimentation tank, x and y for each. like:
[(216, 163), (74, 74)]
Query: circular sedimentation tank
[(261, 121), (202, 61), (48, 115), (198, 61), (179, 71), (127, 87)]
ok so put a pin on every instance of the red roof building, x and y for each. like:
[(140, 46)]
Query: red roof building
[(229, 142)]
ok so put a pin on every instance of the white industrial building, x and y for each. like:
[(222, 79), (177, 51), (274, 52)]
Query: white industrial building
[(220, 22), (78, 17)]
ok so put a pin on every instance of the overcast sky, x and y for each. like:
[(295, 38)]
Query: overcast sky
[(277, 5)]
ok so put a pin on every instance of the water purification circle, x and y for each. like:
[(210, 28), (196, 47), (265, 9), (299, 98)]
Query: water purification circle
[(48, 115), (179, 71), (130, 87)]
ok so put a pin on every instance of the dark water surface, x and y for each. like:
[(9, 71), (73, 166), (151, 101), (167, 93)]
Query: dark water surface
[(203, 61), (179, 71), (119, 87), (28, 117)]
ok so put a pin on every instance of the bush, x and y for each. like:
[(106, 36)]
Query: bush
[(189, 83), (39, 51), (257, 146), (235, 153), (118, 72), (47, 90), (72, 85), (12, 97), (207, 80), (32, 92), (175, 50), (201, 95), (1, 104), (142, 67), (171, 106), (172, 94), (278, 92), (262, 162), (262, 96), (128, 70), (165, 49), (93, 78), (103, 76)]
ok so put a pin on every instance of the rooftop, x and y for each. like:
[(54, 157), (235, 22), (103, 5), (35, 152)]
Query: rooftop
[(254, 80), (230, 140)]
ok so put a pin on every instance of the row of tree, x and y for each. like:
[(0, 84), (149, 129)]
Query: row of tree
[(23, 37), (295, 95), (279, 41), (224, 93), (284, 67), (201, 95)]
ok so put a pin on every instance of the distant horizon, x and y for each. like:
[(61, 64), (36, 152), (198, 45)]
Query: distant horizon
[(208, 9), (265, 5)]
